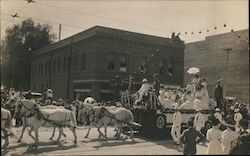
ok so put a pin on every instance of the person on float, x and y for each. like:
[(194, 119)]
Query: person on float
[(196, 83), (218, 94), (166, 103), (229, 136), (143, 90), (218, 114), (49, 96), (156, 84), (237, 118), (189, 103), (190, 137), (214, 138), (199, 120), (176, 128)]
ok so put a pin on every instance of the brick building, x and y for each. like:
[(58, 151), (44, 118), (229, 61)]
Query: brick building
[(85, 64), (210, 55)]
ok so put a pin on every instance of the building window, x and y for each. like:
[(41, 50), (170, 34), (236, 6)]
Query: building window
[(49, 68), (41, 87), (54, 66), (123, 63), (76, 59), (46, 68), (111, 62), (162, 65), (34, 87), (42, 69), (35, 69), (64, 64), (170, 67), (59, 66), (83, 62), (143, 65), (68, 66)]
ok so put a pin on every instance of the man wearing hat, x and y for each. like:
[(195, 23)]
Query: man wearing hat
[(199, 120), (237, 118), (143, 90), (176, 128), (218, 114), (218, 94)]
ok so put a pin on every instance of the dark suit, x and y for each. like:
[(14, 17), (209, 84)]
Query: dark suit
[(218, 94), (189, 139)]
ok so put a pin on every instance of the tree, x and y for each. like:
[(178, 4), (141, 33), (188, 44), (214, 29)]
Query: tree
[(20, 42)]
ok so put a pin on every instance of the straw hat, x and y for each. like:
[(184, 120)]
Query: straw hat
[(144, 80), (217, 109), (236, 110)]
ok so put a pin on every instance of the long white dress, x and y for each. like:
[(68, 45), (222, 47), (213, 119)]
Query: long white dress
[(228, 137), (214, 138), (189, 103)]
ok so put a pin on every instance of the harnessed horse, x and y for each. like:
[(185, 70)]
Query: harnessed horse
[(35, 119)]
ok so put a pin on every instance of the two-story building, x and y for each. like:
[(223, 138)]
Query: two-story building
[(84, 64)]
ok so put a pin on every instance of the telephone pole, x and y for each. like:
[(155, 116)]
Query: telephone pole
[(60, 31), (227, 60)]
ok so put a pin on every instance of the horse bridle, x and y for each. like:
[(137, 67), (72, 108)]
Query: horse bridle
[(27, 109)]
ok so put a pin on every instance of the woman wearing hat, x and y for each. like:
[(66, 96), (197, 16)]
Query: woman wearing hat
[(237, 118), (214, 138), (218, 114), (143, 90), (229, 136)]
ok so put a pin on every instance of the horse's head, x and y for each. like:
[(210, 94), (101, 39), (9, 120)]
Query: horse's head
[(23, 106)]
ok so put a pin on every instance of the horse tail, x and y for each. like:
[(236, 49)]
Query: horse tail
[(134, 124), (73, 119)]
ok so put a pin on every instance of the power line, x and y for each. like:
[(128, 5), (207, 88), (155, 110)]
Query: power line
[(103, 18)]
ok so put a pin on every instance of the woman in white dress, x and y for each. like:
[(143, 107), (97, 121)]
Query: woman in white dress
[(229, 137), (189, 103), (214, 138)]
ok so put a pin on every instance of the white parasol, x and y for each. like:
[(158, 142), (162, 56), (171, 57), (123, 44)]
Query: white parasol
[(193, 70)]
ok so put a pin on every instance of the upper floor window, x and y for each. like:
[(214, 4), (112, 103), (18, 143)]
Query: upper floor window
[(123, 63), (59, 66), (111, 62), (64, 64), (42, 69), (83, 60), (76, 59), (54, 66)]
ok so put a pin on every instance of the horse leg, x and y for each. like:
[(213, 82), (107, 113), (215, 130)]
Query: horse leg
[(23, 129), (6, 138), (64, 135), (73, 129), (131, 132), (100, 133), (53, 134), (60, 134), (86, 136), (119, 131)]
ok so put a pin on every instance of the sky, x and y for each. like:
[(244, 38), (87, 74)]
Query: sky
[(153, 17)]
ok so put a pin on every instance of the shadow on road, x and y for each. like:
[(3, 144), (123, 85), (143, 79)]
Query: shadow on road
[(115, 143)]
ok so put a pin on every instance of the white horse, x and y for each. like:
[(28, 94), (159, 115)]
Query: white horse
[(117, 116), (5, 126), (37, 116)]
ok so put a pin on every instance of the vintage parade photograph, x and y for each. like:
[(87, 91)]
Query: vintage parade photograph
[(124, 77)]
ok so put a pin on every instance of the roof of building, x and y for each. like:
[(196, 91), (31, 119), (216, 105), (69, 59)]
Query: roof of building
[(112, 32)]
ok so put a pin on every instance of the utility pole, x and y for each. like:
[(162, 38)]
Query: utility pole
[(227, 60), (60, 31)]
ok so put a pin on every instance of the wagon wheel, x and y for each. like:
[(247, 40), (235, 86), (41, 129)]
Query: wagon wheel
[(161, 122)]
